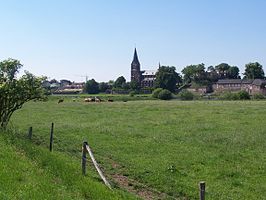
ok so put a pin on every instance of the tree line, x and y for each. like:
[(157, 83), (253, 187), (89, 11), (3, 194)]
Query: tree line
[(168, 78)]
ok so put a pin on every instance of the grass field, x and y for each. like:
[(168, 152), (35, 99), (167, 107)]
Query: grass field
[(157, 148)]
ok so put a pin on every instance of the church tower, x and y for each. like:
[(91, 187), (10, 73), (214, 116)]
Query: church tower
[(135, 68)]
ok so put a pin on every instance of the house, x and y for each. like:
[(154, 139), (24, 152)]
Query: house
[(74, 88), (251, 86)]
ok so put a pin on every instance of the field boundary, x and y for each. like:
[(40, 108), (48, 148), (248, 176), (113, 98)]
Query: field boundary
[(86, 149)]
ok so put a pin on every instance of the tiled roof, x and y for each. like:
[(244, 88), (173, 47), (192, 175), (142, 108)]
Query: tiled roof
[(257, 82), (229, 81)]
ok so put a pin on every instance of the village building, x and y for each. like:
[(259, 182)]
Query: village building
[(145, 78), (256, 86)]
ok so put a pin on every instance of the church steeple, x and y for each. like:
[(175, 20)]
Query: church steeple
[(135, 58), (135, 68)]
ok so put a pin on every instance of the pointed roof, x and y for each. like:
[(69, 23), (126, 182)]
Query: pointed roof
[(135, 58)]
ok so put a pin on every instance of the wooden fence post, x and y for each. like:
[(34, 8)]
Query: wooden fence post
[(84, 158), (51, 137), (202, 190), (30, 133)]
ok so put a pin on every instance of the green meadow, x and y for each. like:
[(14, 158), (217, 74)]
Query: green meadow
[(148, 148)]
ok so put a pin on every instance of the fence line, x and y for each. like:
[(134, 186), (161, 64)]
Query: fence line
[(86, 148), (97, 166)]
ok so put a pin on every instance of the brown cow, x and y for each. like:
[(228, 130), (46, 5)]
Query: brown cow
[(60, 101)]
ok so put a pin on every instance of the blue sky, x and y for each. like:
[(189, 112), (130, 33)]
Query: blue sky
[(70, 39)]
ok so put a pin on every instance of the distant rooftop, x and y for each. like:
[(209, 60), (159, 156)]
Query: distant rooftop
[(149, 72)]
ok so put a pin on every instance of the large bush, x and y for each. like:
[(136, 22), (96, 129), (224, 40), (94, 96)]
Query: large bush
[(243, 95), (186, 95), (132, 93), (14, 91), (230, 96), (156, 92), (165, 95)]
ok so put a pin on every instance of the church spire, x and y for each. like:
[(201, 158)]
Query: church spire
[(135, 68), (135, 58)]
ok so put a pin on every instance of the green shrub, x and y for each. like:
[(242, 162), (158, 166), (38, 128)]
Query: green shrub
[(243, 95), (132, 93), (156, 92), (165, 95), (258, 96), (186, 95), (229, 96)]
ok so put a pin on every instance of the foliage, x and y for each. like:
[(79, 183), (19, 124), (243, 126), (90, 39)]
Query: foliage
[(16, 91), (229, 96), (126, 86), (165, 95), (156, 92), (253, 71), (103, 87), (186, 95), (225, 71), (241, 95), (119, 82), (194, 73), (132, 93), (212, 75), (92, 87), (222, 70), (233, 72), (134, 85), (258, 96), (167, 78)]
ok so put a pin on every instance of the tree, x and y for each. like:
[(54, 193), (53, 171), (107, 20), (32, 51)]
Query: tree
[(53, 81), (119, 82), (92, 87), (212, 75), (194, 73), (167, 78), (16, 91), (233, 72), (253, 71), (134, 85), (126, 86), (103, 86), (222, 70)]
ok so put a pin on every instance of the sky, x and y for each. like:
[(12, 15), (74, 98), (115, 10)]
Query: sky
[(71, 39)]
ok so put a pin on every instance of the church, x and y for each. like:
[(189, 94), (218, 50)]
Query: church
[(145, 78)]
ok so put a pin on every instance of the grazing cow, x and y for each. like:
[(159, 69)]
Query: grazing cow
[(60, 101), (89, 100), (110, 100), (97, 99)]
